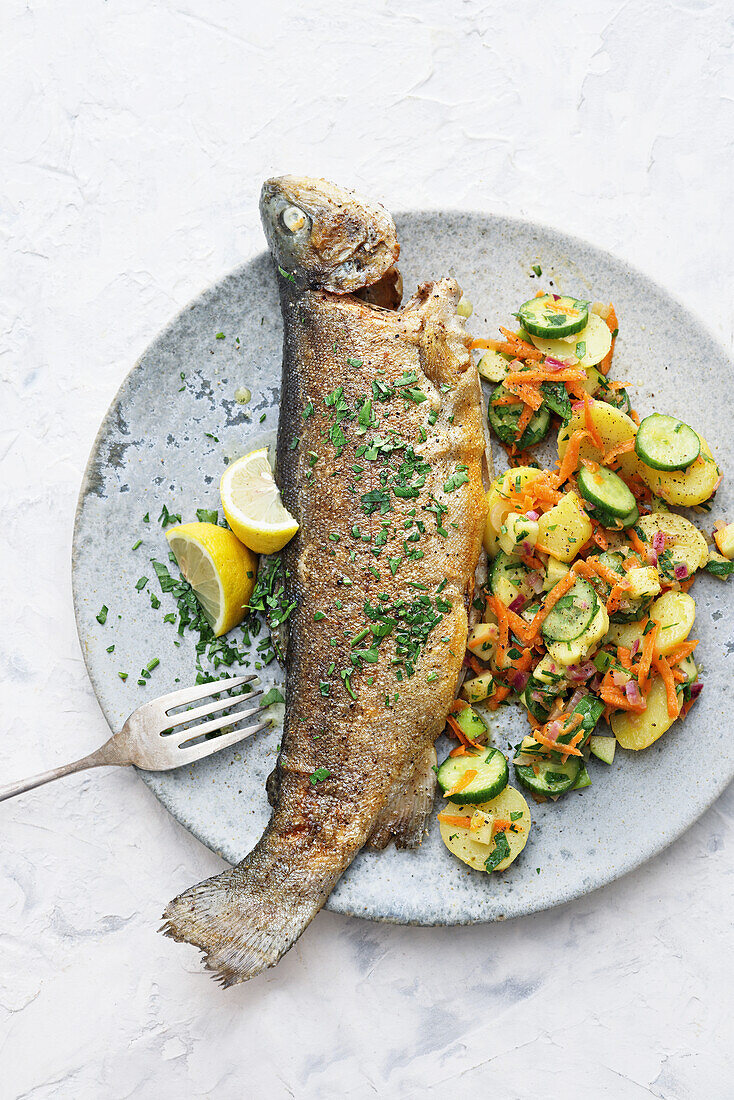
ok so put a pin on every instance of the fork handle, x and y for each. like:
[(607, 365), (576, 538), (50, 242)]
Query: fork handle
[(107, 754)]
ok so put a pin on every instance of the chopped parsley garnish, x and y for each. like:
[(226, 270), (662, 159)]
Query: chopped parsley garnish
[(204, 515), (102, 615), (500, 851), (270, 697), (319, 776)]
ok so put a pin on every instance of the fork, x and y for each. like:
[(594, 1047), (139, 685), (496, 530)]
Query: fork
[(150, 738)]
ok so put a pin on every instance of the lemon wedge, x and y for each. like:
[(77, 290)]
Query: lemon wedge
[(218, 567), (252, 504)]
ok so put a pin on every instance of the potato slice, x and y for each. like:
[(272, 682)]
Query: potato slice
[(462, 842), (686, 543), (595, 338), (674, 612), (685, 488), (498, 506), (639, 731), (613, 427), (564, 529)]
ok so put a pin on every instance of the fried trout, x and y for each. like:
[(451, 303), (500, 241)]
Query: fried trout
[(379, 457)]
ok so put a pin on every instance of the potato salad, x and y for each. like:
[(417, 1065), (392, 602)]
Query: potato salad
[(587, 614)]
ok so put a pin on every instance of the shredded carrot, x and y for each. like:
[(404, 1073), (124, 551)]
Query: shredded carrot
[(613, 326), (663, 668), (679, 676), (634, 417), (616, 596), (474, 665), (615, 452), (522, 350), (525, 417), (685, 585), (454, 819), (467, 777), (499, 696), (637, 543), (680, 654), (542, 374), (631, 562), (546, 494), (500, 824), (625, 658), (571, 457), (648, 648), (531, 395), (589, 423), (619, 701), (460, 750), (458, 705), (549, 743), (583, 568), (604, 572), (599, 538)]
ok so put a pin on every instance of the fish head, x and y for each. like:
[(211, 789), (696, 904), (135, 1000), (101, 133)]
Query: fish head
[(323, 236)]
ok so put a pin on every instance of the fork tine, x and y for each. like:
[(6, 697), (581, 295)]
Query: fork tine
[(190, 695), (206, 748), (209, 708), (215, 724)]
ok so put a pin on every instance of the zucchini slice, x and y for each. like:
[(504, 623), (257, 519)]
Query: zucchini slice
[(470, 723), (503, 421), (547, 777), (617, 523), (572, 614), (551, 316), (666, 443), (491, 776), (603, 748), (606, 491)]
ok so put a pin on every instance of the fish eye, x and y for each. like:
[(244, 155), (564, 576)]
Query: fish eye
[(293, 219)]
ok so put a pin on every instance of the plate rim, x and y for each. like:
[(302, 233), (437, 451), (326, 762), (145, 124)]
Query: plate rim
[(714, 790)]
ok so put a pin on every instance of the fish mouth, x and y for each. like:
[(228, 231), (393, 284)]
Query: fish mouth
[(324, 236)]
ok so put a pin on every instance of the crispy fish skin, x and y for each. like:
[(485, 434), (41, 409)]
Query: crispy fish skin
[(357, 748)]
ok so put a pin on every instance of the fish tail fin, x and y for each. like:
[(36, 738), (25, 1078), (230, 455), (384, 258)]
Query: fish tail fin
[(245, 919)]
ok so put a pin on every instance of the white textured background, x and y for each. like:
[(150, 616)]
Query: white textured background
[(134, 135)]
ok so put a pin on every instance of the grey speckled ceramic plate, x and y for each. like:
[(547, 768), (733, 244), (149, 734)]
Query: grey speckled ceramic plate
[(153, 449)]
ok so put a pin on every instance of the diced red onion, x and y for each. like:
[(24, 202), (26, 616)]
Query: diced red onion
[(696, 689), (681, 572), (577, 696), (554, 729), (532, 515), (620, 678), (554, 364), (635, 647), (595, 684), (578, 674), (658, 542), (518, 603), (652, 557), (556, 297), (576, 406), (632, 691), (537, 696), (535, 581), (519, 680)]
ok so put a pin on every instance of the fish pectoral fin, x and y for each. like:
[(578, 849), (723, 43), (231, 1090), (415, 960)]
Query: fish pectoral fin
[(404, 815)]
